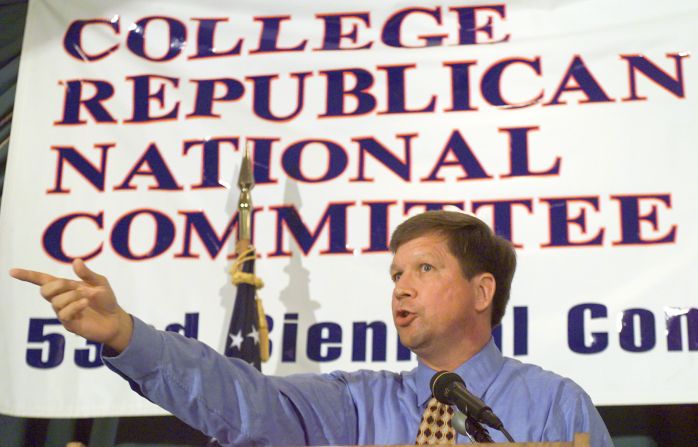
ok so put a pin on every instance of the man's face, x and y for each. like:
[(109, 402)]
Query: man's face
[(433, 303)]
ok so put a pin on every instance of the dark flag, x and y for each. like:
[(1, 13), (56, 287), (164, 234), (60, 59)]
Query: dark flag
[(244, 339)]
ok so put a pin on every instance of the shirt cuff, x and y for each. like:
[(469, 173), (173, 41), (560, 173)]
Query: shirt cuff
[(142, 355)]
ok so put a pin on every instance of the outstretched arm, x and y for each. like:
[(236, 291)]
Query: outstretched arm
[(225, 398), (87, 307)]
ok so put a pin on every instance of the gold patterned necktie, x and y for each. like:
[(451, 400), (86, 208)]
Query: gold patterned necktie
[(435, 427)]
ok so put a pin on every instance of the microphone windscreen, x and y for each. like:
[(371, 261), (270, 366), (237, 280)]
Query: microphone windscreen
[(440, 382)]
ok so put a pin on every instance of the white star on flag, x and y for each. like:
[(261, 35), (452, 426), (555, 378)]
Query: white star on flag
[(236, 340), (255, 335)]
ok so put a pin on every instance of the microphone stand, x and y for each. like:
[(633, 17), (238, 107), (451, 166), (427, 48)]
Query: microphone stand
[(470, 427), (478, 432)]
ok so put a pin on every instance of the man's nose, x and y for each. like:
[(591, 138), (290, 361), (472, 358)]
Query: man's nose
[(404, 288)]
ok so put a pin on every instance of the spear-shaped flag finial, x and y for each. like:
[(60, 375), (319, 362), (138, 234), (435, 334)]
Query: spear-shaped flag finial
[(245, 183)]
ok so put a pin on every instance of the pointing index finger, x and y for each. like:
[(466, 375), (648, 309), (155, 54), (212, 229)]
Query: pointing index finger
[(31, 276)]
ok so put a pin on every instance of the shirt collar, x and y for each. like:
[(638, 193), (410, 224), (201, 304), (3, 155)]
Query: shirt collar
[(478, 372)]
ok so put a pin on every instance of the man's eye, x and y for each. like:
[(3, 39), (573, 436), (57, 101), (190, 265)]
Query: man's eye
[(396, 276), (426, 267)]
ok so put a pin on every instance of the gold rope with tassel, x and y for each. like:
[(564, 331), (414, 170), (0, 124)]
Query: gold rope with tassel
[(240, 277)]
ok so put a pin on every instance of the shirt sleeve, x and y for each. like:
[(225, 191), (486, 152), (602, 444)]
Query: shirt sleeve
[(575, 413), (229, 399)]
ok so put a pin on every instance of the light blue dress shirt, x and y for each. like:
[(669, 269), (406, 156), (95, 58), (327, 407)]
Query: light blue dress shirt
[(231, 401)]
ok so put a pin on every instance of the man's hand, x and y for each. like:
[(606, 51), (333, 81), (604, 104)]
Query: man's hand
[(87, 308)]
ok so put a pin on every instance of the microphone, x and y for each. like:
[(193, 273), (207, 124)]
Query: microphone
[(449, 388)]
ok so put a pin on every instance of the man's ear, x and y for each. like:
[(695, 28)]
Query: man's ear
[(485, 286)]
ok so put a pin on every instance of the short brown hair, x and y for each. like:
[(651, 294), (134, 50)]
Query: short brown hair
[(473, 243)]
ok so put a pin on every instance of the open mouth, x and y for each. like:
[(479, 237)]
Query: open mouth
[(404, 317)]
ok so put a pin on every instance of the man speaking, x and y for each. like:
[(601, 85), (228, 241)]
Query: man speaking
[(451, 278)]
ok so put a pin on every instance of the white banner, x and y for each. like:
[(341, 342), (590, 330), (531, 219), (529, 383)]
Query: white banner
[(570, 128)]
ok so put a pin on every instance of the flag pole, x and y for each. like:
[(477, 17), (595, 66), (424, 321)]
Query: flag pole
[(248, 331), (244, 248)]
